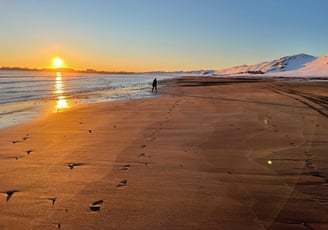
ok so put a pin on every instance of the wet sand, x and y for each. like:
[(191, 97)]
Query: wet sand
[(207, 154)]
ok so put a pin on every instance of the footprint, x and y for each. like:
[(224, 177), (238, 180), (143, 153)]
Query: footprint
[(122, 183), (25, 138), (58, 225), (53, 200), (9, 194), (95, 206), (28, 151), (15, 157), (142, 163), (316, 174), (126, 167), (72, 165), (98, 202), (143, 155)]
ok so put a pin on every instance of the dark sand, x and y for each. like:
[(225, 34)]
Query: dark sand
[(206, 154)]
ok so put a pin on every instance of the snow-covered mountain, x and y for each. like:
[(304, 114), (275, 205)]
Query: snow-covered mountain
[(315, 68), (300, 65)]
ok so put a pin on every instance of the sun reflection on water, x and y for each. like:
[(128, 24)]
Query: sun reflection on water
[(61, 101)]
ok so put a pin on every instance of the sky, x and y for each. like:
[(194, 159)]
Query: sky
[(166, 35)]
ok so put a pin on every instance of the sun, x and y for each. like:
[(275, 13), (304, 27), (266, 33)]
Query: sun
[(57, 62)]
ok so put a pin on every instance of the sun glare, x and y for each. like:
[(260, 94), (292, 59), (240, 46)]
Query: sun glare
[(57, 62), (62, 102)]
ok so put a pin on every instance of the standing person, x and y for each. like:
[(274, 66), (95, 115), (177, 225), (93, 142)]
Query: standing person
[(154, 85)]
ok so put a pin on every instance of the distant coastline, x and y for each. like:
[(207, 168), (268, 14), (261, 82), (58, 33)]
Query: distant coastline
[(69, 70), (93, 71)]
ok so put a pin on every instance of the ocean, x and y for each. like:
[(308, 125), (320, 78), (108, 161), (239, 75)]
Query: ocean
[(24, 95)]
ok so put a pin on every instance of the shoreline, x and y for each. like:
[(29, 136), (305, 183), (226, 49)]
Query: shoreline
[(18, 104), (207, 153), (20, 112)]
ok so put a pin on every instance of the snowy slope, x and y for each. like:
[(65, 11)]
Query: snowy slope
[(301, 65), (316, 68)]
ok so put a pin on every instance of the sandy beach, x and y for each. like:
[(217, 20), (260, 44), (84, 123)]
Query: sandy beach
[(207, 153)]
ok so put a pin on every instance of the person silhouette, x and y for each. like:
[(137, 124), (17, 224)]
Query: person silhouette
[(154, 85)]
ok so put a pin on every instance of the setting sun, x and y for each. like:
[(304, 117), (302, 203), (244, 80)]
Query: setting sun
[(57, 62)]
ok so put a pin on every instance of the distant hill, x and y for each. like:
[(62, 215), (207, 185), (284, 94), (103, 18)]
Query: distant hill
[(300, 65), (315, 68)]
